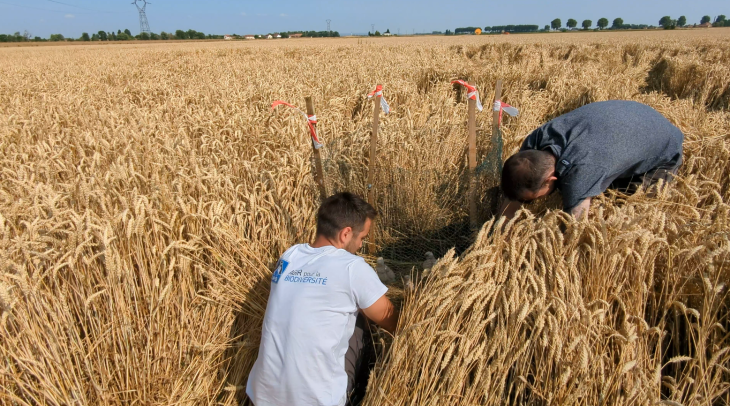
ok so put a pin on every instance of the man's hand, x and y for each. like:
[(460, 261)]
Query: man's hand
[(581, 209), (509, 208), (383, 313)]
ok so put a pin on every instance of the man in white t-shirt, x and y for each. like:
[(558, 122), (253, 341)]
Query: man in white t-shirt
[(308, 351)]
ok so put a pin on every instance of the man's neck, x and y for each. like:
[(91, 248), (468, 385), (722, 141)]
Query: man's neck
[(322, 241)]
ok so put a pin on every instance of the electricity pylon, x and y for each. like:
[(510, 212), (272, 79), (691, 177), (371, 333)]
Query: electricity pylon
[(144, 26)]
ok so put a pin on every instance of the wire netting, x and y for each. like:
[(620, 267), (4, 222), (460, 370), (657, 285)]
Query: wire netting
[(422, 207)]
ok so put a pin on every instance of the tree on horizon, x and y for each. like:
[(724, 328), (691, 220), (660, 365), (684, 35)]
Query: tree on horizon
[(668, 23)]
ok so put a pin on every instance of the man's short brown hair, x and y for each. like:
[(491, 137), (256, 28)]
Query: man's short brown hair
[(526, 171), (343, 210)]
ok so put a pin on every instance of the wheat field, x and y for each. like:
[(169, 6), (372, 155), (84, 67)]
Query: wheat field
[(146, 189)]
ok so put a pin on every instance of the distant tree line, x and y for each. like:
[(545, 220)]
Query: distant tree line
[(119, 35), (665, 22), (319, 34), (465, 30), (512, 28), (601, 24), (720, 21), (18, 37), (126, 35)]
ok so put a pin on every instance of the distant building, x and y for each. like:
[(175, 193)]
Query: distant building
[(297, 35), (387, 34), (705, 25), (277, 35), (228, 37), (269, 36), (249, 37)]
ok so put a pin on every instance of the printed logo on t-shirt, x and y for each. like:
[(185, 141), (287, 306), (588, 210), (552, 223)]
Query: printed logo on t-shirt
[(280, 268), (312, 278)]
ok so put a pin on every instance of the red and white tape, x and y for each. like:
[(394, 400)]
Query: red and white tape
[(379, 92), (473, 93), (311, 122), (501, 106)]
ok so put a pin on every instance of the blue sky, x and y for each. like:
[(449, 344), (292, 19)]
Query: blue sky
[(72, 17)]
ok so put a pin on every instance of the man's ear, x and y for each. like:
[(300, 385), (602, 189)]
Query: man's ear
[(345, 234), (552, 178)]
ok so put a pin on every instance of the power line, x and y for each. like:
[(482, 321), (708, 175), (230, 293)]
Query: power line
[(32, 8), (82, 8), (52, 11)]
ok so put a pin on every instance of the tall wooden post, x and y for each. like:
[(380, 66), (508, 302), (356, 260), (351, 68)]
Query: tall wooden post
[(472, 126), (496, 153), (318, 172), (373, 150), (372, 246), (496, 130)]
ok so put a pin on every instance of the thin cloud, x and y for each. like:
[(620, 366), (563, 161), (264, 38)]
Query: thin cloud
[(244, 14), (69, 16), (283, 15)]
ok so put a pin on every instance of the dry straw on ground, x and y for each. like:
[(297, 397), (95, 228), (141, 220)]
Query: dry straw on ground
[(145, 190)]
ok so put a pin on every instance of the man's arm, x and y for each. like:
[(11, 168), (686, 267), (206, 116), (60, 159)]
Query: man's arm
[(581, 209), (509, 208), (383, 313)]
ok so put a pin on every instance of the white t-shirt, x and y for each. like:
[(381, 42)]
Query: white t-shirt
[(310, 318)]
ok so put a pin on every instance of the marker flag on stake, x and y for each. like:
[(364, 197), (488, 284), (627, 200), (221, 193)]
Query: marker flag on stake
[(473, 93), (379, 92), (501, 106), (311, 121)]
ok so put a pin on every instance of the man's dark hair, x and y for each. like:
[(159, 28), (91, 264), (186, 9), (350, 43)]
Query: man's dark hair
[(526, 171), (343, 210)]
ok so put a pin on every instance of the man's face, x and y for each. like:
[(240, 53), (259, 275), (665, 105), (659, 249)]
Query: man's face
[(354, 243)]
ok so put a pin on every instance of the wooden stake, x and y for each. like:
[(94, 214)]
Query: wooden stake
[(472, 125), (494, 192), (496, 130), (373, 150), (318, 172), (372, 246)]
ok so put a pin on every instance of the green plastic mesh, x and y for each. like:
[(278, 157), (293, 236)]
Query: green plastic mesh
[(420, 210)]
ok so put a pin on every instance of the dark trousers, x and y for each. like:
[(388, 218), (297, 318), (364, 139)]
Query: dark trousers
[(358, 359), (633, 184)]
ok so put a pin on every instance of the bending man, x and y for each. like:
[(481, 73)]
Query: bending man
[(619, 144), (312, 334)]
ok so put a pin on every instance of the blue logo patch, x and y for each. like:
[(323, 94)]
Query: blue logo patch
[(280, 268)]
